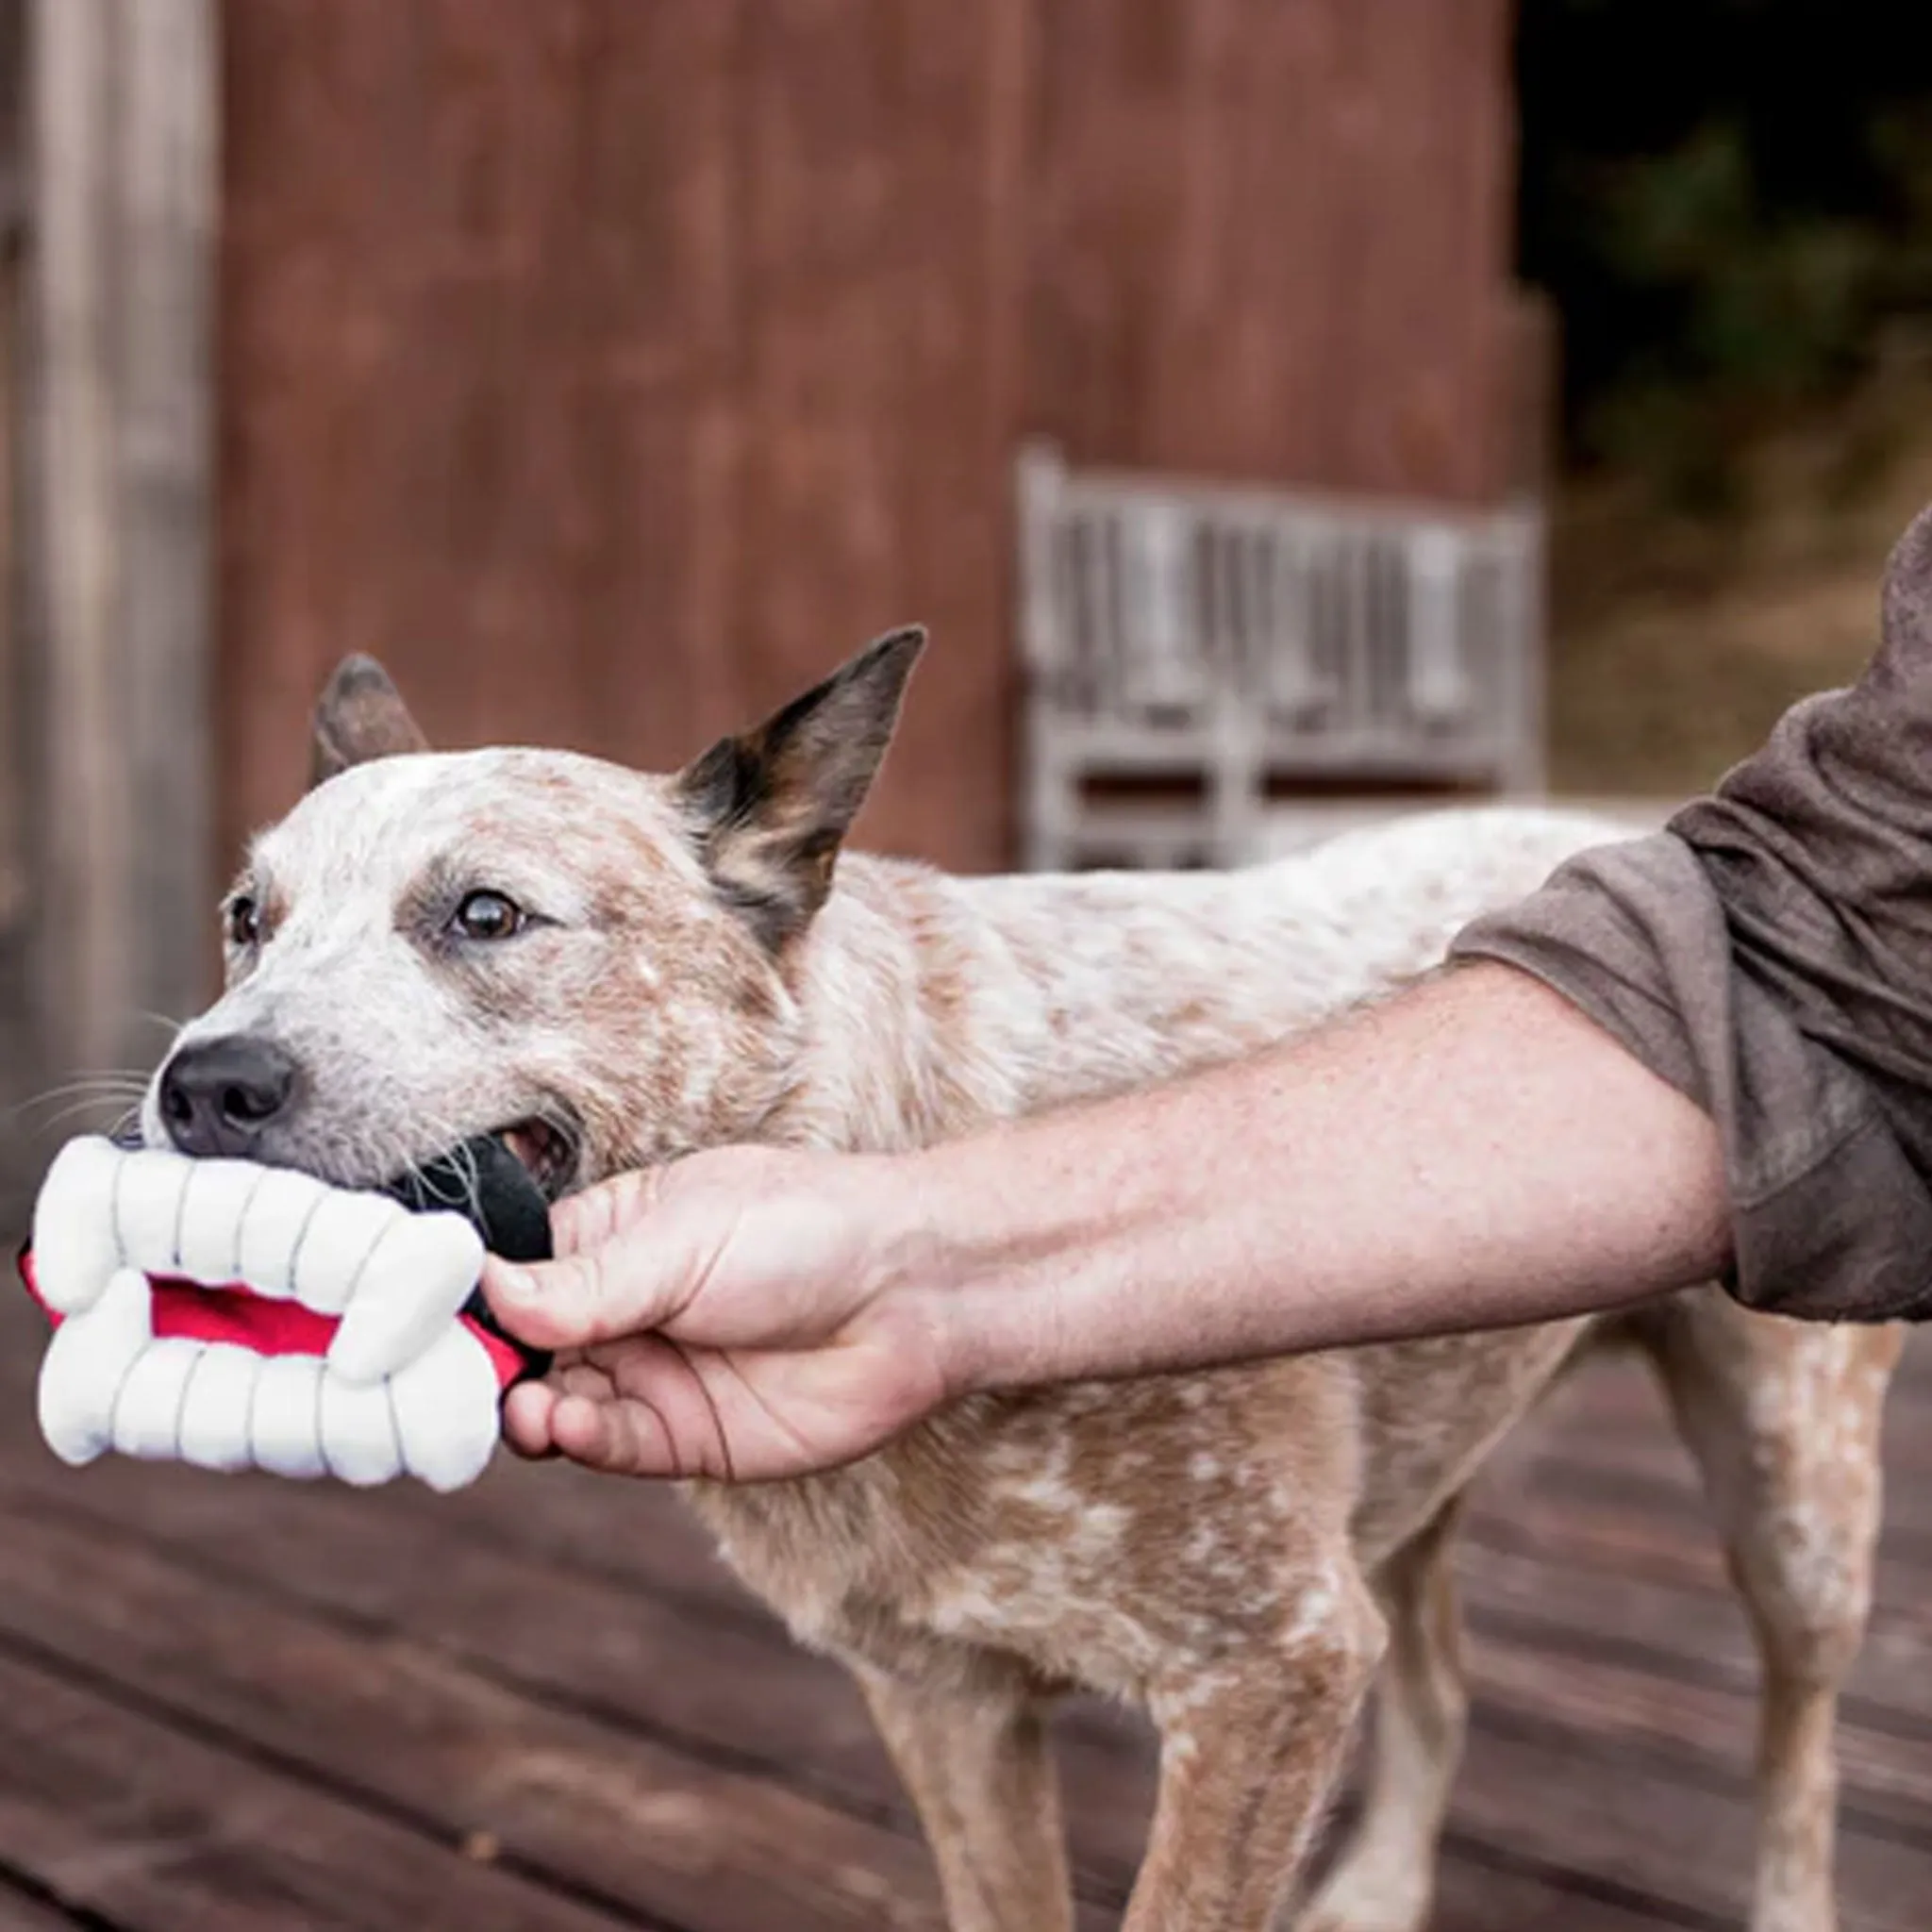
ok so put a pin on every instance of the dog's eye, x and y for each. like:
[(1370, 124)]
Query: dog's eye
[(244, 922), (489, 916)]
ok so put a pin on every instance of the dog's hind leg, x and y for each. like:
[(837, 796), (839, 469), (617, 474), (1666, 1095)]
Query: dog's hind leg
[(978, 1766), (1384, 1877), (1251, 1746), (1784, 1419)]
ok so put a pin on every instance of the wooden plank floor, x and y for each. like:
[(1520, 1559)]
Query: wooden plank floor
[(228, 1704)]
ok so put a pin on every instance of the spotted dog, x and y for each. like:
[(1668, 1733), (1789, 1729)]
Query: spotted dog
[(613, 967)]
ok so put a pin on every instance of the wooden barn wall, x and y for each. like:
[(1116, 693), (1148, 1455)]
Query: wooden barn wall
[(1272, 239), (611, 369)]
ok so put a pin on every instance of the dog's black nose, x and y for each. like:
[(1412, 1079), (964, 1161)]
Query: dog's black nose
[(217, 1095)]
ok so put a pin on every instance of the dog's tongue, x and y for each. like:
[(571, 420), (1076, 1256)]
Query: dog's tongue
[(485, 1183)]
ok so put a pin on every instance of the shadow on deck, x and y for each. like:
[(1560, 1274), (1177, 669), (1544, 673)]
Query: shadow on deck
[(229, 1702)]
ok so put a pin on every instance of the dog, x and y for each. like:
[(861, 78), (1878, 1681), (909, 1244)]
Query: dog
[(611, 968)]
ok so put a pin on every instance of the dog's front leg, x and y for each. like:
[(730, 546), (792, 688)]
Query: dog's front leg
[(1250, 1753), (977, 1764), (1384, 1878)]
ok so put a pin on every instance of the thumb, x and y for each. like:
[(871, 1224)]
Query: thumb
[(613, 1274), (578, 1299)]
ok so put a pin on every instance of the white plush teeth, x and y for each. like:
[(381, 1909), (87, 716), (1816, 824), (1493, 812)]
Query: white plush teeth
[(149, 1196), (444, 1404), (218, 1409), (358, 1433), (76, 1247), (406, 1388), (215, 1202), (85, 1365), (277, 1212), (285, 1417), (147, 1410), (414, 1283), (335, 1247)]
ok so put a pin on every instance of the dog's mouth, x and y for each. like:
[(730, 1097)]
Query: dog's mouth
[(549, 1153)]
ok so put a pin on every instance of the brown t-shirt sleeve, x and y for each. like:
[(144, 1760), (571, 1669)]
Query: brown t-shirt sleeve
[(1770, 955)]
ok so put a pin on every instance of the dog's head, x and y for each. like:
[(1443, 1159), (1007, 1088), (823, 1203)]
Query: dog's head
[(590, 961)]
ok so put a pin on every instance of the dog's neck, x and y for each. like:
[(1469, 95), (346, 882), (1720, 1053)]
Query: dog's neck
[(930, 1006), (894, 983)]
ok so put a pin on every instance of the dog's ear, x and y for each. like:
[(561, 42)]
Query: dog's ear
[(769, 808), (360, 716)]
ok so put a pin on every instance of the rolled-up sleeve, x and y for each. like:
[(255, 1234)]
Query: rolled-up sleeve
[(1770, 955)]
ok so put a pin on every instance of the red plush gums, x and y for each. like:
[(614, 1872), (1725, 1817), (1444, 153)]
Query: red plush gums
[(236, 1313)]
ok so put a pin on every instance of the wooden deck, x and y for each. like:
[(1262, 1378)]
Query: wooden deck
[(227, 1703)]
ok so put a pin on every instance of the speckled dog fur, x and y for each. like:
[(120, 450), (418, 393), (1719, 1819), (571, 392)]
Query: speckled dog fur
[(1239, 1551)]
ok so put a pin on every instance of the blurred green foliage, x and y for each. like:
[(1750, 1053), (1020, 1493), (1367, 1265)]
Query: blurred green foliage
[(1730, 202)]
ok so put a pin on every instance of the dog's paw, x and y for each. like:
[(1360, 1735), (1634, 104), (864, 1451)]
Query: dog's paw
[(1369, 1896), (1789, 1913)]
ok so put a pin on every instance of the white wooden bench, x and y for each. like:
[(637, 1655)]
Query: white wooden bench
[(1196, 654)]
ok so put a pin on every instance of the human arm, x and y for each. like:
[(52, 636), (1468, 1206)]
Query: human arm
[(1472, 1153), (1709, 1051)]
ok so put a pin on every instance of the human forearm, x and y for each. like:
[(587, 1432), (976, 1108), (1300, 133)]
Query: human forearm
[(1474, 1153)]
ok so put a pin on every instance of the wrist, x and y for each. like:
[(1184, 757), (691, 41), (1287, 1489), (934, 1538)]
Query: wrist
[(987, 1245), (911, 1267)]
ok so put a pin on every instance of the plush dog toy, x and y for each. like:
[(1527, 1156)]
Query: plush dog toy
[(236, 1316)]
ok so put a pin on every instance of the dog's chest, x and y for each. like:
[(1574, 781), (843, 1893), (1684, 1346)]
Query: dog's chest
[(1100, 1535)]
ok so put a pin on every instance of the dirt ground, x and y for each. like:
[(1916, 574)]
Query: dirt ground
[(1675, 645)]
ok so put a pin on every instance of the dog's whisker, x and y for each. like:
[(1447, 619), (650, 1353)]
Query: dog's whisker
[(110, 1076), (471, 1174), (469, 1178), (91, 1089), (569, 1130), (112, 1090), (80, 1108)]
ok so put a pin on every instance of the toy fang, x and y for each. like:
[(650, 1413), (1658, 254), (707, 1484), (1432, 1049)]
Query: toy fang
[(236, 1316)]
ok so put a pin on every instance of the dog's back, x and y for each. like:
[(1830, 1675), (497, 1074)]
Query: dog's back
[(998, 997)]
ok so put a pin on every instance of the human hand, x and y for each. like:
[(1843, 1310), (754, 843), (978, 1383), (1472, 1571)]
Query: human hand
[(736, 1315)]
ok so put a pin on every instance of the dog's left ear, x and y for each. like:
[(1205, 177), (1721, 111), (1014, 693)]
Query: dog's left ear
[(769, 808), (360, 716)]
